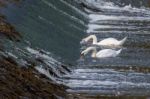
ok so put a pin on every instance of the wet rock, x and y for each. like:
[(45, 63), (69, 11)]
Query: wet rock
[(17, 82), (8, 30)]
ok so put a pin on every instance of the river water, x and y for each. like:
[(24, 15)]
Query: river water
[(127, 74), (57, 26)]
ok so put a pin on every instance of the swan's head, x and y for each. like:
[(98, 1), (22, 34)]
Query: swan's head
[(83, 53), (86, 51), (87, 39), (84, 41)]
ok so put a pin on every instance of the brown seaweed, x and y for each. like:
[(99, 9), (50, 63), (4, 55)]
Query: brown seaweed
[(17, 82)]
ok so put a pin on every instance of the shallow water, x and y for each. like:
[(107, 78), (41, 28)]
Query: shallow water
[(53, 30)]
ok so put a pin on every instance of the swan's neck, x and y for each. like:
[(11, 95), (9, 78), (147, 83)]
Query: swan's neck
[(93, 37), (122, 41), (93, 49), (94, 52), (118, 52)]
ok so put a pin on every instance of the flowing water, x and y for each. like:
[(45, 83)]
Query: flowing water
[(58, 26), (127, 74)]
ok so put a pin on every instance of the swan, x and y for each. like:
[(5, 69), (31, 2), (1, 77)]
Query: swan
[(102, 53), (104, 42)]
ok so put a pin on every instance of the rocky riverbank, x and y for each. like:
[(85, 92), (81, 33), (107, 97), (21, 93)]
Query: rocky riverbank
[(18, 82), (8, 30)]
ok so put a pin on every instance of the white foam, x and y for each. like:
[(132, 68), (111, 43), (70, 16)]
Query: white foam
[(32, 51), (94, 27), (50, 63), (43, 56), (97, 28), (12, 55), (98, 17), (97, 84), (45, 72), (111, 6), (93, 70), (90, 83)]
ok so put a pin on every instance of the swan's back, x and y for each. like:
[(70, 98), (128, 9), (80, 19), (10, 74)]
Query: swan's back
[(107, 53), (109, 41)]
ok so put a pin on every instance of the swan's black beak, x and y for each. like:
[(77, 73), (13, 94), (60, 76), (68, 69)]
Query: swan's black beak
[(81, 56)]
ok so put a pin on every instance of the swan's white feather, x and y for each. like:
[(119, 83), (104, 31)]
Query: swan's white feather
[(107, 53), (108, 41)]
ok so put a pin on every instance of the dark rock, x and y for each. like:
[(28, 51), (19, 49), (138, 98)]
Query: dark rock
[(9, 31), (18, 82), (6, 28)]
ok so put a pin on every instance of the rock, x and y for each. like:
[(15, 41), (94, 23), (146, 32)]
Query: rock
[(16, 82), (8, 30)]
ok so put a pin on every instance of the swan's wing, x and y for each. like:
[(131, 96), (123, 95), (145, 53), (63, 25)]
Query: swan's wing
[(108, 41), (106, 53)]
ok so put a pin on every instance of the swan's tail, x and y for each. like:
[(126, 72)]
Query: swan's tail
[(119, 51), (123, 40)]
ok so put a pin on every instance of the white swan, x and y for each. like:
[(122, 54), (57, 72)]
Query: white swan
[(105, 42), (102, 53)]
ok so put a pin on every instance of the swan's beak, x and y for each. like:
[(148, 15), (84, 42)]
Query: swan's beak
[(81, 56), (82, 42)]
